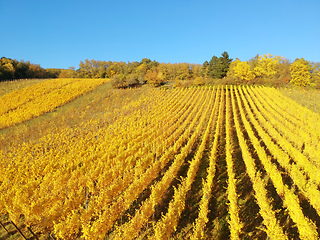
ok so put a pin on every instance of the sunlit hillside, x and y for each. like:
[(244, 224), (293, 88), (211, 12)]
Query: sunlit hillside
[(211, 162)]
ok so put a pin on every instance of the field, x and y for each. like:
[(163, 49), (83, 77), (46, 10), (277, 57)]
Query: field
[(218, 162)]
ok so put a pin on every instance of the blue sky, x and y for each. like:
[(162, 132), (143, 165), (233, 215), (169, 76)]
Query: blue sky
[(59, 34)]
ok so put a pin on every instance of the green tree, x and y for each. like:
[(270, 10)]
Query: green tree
[(204, 69), (21, 70), (213, 68), (53, 72), (218, 67)]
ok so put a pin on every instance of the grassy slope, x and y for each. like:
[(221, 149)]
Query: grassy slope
[(309, 98)]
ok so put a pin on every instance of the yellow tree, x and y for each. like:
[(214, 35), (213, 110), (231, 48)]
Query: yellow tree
[(242, 70), (184, 71), (315, 74), (142, 68), (267, 66), (163, 72), (196, 70), (199, 81), (152, 77), (300, 71)]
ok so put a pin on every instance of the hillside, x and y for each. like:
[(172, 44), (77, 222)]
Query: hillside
[(215, 162)]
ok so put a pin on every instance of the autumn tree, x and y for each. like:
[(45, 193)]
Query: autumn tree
[(184, 71), (300, 71), (240, 72), (196, 70), (68, 73), (283, 71), (133, 79), (198, 81), (231, 73), (177, 83), (253, 62), (266, 66), (14, 69), (172, 70), (163, 72), (7, 68), (152, 77), (119, 81), (150, 64), (243, 71), (85, 69), (115, 68), (54, 72), (315, 74)]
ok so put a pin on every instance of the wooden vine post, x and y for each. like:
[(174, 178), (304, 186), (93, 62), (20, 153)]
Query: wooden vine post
[(18, 230)]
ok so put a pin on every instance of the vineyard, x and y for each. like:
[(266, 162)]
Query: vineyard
[(34, 100), (222, 162)]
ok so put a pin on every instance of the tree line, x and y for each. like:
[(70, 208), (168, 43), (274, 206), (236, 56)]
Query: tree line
[(275, 70), (128, 74), (261, 69), (14, 69)]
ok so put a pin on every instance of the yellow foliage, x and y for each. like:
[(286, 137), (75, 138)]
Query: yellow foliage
[(242, 70), (199, 81), (267, 65), (177, 83), (29, 102), (81, 180), (142, 68), (300, 72)]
